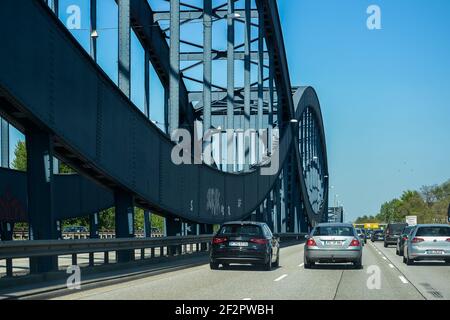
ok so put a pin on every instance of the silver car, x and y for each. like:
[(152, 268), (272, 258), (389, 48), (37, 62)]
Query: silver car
[(333, 242), (428, 242)]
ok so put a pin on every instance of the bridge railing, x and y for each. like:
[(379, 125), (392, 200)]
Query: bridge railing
[(23, 234), (159, 247)]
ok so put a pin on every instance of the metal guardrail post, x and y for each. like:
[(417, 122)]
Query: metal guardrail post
[(9, 268)]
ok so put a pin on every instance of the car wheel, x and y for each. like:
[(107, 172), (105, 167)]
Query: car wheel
[(358, 264), (447, 261), (409, 261), (404, 259), (268, 264), (213, 266), (397, 252), (385, 245), (277, 263), (307, 264)]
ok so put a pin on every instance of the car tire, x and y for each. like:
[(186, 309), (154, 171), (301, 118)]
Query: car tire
[(268, 264), (397, 252), (404, 259), (409, 261), (307, 265), (213, 266), (277, 263), (358, 264), (385, 245)]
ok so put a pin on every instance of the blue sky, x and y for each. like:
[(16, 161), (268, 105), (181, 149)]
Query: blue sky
[(384, 93)]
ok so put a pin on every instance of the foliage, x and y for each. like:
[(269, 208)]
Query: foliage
[(106, 217), (429, 204)]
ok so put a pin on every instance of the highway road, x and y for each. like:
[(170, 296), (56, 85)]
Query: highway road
[(387, 276)]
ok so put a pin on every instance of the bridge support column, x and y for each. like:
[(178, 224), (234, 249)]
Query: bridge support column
[(173, 229), (147, 224), (42, 220), (206, 229), (124, 219), (93, 234), (4, 144)]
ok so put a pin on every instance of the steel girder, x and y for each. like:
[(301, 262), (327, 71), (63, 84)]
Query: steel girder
[(93, 152)]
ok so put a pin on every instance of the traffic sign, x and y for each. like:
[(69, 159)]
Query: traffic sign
[(411, 220)]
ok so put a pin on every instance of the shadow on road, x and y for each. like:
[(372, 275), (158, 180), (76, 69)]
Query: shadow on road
[(329, 266), (244, 267)]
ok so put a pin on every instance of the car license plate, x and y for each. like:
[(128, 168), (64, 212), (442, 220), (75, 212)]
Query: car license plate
[(435, 251), (334, 243), (238, 244)]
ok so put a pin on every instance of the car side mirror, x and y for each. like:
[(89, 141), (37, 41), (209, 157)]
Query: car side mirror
[(307, 236)]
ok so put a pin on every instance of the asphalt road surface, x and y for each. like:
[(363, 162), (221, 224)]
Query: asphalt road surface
[(384, 277)]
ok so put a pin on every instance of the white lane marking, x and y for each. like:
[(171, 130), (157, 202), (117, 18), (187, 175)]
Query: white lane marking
[(247, 299), (280, 278), (301, 265), (391, 265), (384, 258), (402, 278), (379, 252)]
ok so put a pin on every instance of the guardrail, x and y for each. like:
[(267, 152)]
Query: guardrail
[(22, 235), (167, 247)]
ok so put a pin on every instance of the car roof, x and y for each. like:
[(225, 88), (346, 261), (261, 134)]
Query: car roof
[(433, 225), (244, 222), (334, 224)]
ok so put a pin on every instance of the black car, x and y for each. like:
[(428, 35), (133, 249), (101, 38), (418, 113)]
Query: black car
[(245, 243), (392, 233), (402, 239), (377, 235)]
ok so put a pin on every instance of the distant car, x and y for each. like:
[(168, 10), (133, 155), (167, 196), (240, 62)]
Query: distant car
[(428, 242), (377, 235), (361, 234), (245, 243), (75, 229), (333, 243), (402, 239), (392, 233)]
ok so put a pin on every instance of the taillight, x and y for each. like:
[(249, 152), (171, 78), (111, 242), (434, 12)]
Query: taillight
[(311, 243), (417, 240), (355, 243), (405, 238), (259, 241), (448, 240), (218, 240)]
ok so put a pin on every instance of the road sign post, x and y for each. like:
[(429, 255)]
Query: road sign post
[(448, 214)]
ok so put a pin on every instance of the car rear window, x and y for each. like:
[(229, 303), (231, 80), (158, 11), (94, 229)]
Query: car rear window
[(396, 228), (433, 232), (334, 231), (238, 229)]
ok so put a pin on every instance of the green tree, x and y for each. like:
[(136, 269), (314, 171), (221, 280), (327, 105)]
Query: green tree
[(20, 157)]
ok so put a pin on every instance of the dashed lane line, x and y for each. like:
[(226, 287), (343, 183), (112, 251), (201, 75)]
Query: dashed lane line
[(280, 278), (403, 279)]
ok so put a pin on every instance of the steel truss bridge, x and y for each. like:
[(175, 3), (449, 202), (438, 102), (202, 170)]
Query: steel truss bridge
[(53, 90)]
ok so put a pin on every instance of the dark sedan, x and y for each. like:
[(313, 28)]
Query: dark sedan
[(245, 243), (402, 239), (377, 235)]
